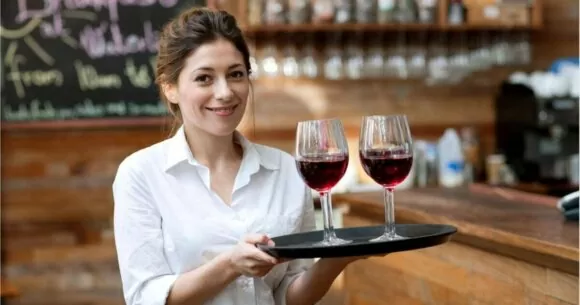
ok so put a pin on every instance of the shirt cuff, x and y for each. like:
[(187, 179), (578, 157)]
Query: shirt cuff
[(157, 290)]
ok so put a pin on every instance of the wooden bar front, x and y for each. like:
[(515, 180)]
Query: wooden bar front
[(505, 252)]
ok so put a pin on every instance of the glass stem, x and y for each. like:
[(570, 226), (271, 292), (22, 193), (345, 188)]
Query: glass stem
[(389, 212), (327, 215)]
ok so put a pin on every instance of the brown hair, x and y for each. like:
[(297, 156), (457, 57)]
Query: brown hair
[(183, 35)]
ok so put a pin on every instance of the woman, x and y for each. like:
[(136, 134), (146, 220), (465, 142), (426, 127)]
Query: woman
[(189, 210)]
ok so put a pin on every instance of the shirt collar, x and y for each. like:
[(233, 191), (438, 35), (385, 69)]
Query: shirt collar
[(179, 152)]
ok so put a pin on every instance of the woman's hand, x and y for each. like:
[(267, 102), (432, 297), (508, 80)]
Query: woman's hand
[(248, 260)]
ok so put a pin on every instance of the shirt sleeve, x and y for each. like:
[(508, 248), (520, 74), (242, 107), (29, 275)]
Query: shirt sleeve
[(296, 267), (145, 273)]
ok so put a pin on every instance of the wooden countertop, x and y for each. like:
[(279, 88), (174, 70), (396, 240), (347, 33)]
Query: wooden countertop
[(532, 232), (7, 290)]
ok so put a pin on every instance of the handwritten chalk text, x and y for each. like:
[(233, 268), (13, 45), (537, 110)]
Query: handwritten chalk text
[(45, 110), (90, 79), (94, 42), (25, 79), (51, 7), (137, 75)]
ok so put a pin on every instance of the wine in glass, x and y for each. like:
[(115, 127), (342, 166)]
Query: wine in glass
[(386, 154), (322, 159)]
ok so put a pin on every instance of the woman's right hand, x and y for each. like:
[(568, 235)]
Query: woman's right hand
[(248, 260)]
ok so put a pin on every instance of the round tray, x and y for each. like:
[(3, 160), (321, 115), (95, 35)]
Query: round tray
[(303, 245)]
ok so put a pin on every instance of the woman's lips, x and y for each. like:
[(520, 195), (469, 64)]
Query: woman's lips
[(223, 111)]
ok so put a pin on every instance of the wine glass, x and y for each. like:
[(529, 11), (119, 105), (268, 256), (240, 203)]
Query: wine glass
[(322, 159), (386, 154)]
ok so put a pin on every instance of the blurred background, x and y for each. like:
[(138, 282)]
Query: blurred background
[(491, 85)]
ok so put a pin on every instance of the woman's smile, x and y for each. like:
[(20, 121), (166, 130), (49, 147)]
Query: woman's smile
[(223, 111)]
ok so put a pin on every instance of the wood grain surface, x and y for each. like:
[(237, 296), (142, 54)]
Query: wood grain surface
[(530, 232)]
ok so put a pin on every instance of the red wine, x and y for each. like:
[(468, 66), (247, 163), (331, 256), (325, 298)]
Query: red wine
[(385, 167), (322, 173)]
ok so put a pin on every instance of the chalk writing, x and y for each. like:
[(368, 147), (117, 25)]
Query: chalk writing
[(138, 76), (138, 109), (94, 42), (75, 59), (38, 50), (20, 32), (23, 79), (54, 28), (45, 110), (90, 79), (153, 62), (53, 6)]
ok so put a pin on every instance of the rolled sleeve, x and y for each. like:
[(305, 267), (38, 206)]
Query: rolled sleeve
[(296, 267), (145, 273)]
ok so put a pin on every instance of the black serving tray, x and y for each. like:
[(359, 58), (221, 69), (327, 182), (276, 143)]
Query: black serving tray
[(303, 245)]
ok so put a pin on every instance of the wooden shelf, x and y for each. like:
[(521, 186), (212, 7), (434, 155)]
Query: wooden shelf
[(240, 9), (310, 28)]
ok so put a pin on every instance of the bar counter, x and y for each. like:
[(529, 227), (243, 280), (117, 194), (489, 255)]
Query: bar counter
[(508, 250)]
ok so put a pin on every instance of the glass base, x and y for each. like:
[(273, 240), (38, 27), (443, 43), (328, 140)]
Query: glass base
[(387, 237), (333, 241)]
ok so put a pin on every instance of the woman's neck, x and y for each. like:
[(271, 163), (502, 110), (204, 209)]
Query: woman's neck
[(211, 150)]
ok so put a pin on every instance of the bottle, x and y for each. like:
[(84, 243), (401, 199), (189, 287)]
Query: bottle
[(386, 11), (451, 159), (456, 12)]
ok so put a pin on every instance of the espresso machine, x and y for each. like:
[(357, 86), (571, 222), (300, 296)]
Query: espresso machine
[(538, 137)]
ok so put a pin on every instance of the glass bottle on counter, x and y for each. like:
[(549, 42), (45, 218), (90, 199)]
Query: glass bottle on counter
[(298, 11), (343, 11), (274, 12), (365, 11), (470, 145)]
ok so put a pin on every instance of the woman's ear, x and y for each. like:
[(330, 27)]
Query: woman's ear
[(170, 92)]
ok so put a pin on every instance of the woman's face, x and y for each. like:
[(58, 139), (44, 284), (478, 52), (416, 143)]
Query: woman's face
[(212, 88)]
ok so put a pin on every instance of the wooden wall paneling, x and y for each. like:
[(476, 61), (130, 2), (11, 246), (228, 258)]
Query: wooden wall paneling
[(537, 14), (442, 11), (71, 153), (559, 35)]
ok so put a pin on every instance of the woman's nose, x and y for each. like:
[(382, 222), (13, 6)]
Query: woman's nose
[(222, 90)]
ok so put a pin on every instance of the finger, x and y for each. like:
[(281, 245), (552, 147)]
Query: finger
[(256, 239), (263, 256)]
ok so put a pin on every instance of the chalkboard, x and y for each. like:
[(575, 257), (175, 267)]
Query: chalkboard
[(71, 60)]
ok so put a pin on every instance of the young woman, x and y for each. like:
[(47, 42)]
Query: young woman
[(189, 210)]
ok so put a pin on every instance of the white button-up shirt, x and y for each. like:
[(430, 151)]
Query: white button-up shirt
[(168, 220)]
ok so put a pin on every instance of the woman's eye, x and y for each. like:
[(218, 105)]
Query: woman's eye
[(203, 78), (237, 74)]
